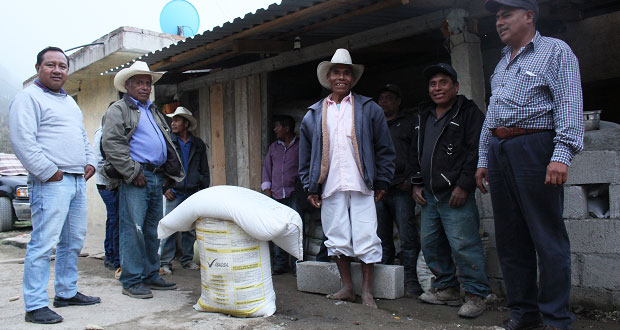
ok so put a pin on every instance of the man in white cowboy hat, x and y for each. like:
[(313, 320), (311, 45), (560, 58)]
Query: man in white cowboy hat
[(346, 162), (194, 157), (140, 159)]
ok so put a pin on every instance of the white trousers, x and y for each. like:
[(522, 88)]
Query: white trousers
[(349, 221)]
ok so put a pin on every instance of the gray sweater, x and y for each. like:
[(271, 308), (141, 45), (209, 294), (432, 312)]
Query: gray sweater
[(47, 133)]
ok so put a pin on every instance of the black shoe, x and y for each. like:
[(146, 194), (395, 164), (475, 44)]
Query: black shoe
[(43, 315), (512, 324), (78, 300), (160, 284), (138, 291), (413, 290)]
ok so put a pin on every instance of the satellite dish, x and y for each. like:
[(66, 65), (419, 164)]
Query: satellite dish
[(179, 17)]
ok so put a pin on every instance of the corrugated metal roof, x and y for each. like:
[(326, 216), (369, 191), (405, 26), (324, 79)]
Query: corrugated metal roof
[(314, 21)]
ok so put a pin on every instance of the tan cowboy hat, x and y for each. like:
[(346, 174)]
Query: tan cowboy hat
[(183, 112), (138, 67), (341, 56)]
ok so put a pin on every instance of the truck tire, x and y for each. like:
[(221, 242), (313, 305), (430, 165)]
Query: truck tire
[(6, 214)]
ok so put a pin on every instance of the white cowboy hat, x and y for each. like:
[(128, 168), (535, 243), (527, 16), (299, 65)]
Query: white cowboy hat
[(183, 112), (341, 56), (138, 67)]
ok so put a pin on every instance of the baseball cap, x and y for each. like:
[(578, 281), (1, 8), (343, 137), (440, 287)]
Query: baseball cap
[(391, 88), (493, 5), (444, 68)]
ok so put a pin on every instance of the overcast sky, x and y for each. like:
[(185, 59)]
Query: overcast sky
[(27, 26)]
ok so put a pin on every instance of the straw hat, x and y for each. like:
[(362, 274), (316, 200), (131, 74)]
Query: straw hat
[(183, 112), (137, 68), (341, 56)]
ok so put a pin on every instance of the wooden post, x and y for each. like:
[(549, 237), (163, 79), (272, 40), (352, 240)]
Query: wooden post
[(216, 100)]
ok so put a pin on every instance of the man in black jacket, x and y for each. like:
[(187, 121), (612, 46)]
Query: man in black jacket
[(397, 206), (444, 159), (194, 157)]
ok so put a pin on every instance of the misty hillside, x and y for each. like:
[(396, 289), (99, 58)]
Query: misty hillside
[(9, 86)]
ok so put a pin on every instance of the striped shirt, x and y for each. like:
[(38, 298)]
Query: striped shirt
[(539, 89)]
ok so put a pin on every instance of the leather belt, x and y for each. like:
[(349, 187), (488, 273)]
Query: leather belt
[(508, 132), (152, 168)]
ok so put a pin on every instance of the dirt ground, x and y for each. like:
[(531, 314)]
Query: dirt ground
[(295, 309)]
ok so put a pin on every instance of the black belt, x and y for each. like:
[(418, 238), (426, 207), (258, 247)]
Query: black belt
[(152, 168)]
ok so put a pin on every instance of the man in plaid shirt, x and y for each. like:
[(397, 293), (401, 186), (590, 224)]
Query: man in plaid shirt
[(533, 128)]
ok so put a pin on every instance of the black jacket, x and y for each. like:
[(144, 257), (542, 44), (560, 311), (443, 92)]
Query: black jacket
[(197, 171), (402, 130), (455, 156)]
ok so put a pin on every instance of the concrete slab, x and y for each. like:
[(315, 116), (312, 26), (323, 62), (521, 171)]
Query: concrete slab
[(594, 235), (599, 166), (323, 277), (601, 271)]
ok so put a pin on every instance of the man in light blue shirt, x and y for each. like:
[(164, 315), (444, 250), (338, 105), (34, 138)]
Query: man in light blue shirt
[(141, 161)]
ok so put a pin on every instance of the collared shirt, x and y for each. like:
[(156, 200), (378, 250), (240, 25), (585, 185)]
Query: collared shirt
[(147, 143), (280, 170), (432, 131), (45, 89), (539, 89), (185, 147), (343, 173)]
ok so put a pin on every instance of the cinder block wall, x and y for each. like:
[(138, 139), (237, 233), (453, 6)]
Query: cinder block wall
[(595, 242)]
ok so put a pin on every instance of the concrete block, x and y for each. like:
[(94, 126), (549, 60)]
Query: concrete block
[(601, 271), (575, 202), (596, 166), (591, 298), (614, 201), (485, 208), (576, 269), (488, 225), (323, 277), (493, 266), (594, 235), (497, 286)]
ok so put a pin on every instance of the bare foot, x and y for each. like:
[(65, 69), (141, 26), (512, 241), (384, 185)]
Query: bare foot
[(343, 294), (368, 300)]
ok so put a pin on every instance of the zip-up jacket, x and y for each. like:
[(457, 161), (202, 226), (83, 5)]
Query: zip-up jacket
[(119, 123), (455, 154), (401, 130), (197, 171), (375, 147)]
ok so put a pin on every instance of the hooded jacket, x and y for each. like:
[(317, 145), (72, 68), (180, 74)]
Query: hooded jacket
[(455, 155), (374, 145)]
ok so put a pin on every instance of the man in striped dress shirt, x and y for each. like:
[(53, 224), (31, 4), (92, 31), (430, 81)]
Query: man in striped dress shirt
[(533, 128)]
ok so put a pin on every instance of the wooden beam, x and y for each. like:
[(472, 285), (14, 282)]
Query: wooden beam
[(342, 18), (390, 32), (241, 130), (254, 132), (323, 7), (218, 149), (261, 46), (204, 63)]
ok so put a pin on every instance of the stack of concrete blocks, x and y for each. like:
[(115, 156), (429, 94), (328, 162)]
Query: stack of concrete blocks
[(595, 242)]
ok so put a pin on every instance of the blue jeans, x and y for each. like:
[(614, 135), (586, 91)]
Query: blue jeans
[(169, 244), (529, 229), (140, 212), (451, 236), (110, 199), (282, 259), (398, 206), (59, 215)]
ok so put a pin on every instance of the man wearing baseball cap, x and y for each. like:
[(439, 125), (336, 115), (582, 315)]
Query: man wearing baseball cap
[(443, 160), (533, 128)]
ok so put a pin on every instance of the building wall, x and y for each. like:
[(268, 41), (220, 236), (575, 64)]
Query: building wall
[(93, 97)]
